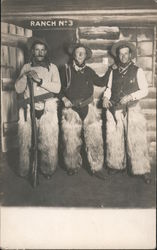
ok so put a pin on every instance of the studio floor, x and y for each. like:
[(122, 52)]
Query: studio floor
[(81, 190)]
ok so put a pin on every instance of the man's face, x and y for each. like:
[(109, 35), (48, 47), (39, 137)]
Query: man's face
[(39, 52), (80, 55), (124, 55)]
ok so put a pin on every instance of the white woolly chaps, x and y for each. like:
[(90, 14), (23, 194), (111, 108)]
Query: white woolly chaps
[(47, 131), (126, 137), (72, 142)]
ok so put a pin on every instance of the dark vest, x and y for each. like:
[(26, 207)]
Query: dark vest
[(124, 84)]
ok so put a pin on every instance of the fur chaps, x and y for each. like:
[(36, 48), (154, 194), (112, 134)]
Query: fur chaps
[(24, 140), (115, 144), (127, 137), (94, 139), (71, 135), (48, 131), (137, 141)]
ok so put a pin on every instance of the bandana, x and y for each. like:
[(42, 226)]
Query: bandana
[(43, 63), (123, 69), (79, 68)]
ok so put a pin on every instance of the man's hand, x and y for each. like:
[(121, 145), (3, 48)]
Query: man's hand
[(67, 102), (106, 103), (34, 76), (126, 99)]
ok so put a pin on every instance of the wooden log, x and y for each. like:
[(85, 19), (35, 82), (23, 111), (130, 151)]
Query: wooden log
[(95, 60), (12, 57), (151, 92), (127, 34), (4, 28), (98, 43), (151, 136), (9, 106), (9, 142), (155, 81), (151, 125), (5, 72), (12, 29), (150, 114), (10, 128), (13, 40), (145, 63), (99, 68), (4, 55), (28, 32), (144, 48), (99, 56), (148, 103), (8, 84), (20, 31), (99, 53), (144, 34), (5, 69), (103, 32), (87, 19)]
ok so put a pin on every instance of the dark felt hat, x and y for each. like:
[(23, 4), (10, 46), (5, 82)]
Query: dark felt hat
[(122, 44), (36, 40), (74, 46)]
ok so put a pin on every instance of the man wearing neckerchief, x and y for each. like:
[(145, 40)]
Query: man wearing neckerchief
[(46, 83), (126, 139), (81, 121)]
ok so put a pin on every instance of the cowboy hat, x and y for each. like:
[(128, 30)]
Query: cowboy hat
[(122, 44), (36, 40), (74, 46)]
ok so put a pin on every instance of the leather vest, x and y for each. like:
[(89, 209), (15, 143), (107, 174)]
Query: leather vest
[(124, 83)]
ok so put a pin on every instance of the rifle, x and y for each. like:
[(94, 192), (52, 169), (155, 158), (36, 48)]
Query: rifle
[(34, 142)]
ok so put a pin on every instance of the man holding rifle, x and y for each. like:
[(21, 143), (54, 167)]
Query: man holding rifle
[(126, 141), (43, 137)]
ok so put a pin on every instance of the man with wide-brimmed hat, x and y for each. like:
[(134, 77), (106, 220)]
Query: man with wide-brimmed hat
[(126, 142), (81, 121), (46, 81)]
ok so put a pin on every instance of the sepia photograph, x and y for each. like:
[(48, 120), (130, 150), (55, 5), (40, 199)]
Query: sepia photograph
[(78, 118)]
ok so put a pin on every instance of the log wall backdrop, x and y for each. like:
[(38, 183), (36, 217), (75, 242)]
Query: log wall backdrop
[(13, 39), (100, 40)]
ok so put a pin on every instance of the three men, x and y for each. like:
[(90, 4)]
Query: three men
[(81, 120), (125, 125), (46, 81)]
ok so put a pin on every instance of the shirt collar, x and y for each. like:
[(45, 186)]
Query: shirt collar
[(79, 68)]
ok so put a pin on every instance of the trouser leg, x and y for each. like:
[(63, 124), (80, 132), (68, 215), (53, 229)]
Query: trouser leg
[(137, 145), (48, 138), (24, 140), (71, 136), (115, 141), (92, 126)]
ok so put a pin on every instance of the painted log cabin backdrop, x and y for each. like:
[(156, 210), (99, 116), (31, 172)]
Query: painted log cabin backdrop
[(97, 24)]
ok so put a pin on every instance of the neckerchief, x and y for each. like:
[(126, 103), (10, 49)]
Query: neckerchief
[(79, 68), (43, 64), (123, 69)]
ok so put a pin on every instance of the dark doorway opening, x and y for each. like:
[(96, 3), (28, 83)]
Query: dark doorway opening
[(58, 41)]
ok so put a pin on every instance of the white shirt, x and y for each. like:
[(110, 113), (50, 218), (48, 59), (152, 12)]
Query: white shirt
[(50, 81), (142, 84)]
